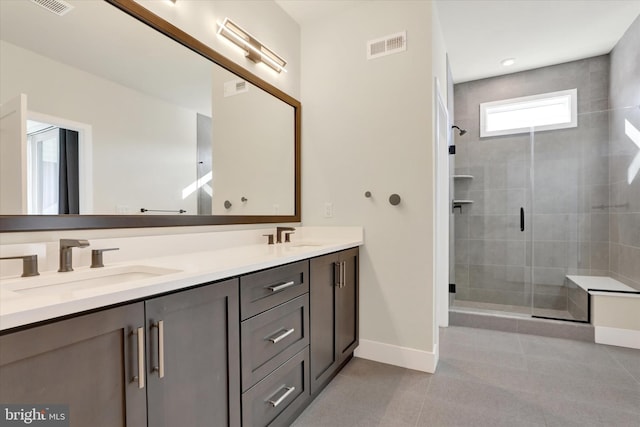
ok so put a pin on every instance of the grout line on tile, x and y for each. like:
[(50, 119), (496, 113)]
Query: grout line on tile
[(624, 368), (424, 400), (524, 355)]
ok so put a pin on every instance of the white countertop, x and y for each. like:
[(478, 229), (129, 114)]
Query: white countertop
[(21, 307)]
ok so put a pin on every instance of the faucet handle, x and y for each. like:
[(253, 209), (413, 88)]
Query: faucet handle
[(96, 256), (29, 264), (270, 238), (287, 236)]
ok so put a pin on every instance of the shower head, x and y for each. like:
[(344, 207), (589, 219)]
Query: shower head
[(460, 131)]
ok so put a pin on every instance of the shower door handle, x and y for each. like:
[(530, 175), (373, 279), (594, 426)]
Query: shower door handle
[(521, 219)]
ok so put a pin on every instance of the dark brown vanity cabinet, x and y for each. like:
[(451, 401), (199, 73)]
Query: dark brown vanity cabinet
[(275, 344), (91, 362), (168, 361), (193, 357), (249, 351), (334, 314)]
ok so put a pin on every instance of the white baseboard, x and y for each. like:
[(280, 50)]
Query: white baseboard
[(404, 357), (616, 336)]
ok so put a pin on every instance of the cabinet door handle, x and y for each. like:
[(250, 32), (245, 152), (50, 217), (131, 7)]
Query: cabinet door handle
[(281, 336), (521, 219), (160, 367), (338, 281), (343, 268), (140, 377), (289, 390), (281, 286)]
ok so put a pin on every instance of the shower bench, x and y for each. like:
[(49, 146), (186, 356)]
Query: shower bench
[(615, 310)]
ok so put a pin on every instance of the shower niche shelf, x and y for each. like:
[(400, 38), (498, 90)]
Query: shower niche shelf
[(458, 203), (462, 176)]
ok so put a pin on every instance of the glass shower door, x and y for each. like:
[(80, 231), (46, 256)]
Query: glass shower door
[(491, 186), (573, 177)]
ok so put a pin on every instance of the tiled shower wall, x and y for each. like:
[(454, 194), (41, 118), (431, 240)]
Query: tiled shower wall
[(625, 218), (493, 257)]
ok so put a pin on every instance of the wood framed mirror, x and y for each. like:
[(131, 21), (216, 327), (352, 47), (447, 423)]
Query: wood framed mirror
[(202, 141)]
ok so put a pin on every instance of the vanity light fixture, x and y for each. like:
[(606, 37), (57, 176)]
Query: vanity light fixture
[(255, 50), (508, 62)]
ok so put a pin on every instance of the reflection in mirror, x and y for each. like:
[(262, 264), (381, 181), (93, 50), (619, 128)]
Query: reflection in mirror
[(103, 124), (253, 145)]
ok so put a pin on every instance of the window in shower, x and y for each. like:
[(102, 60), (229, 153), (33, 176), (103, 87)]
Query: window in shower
[(547, 111)]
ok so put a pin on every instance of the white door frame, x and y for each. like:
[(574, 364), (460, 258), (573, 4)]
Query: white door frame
[(442, 209), (85, 154)]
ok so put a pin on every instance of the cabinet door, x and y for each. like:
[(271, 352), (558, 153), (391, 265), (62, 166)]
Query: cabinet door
[(347, 306), (322, 290), (88, 362), (193, 348)]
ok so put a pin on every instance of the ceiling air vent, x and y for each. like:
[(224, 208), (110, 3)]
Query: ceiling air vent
[(59, 7), (384, 46)]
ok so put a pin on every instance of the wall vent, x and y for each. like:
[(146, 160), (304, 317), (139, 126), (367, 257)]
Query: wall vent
[(387, 45), (59, 7), (235, 87)]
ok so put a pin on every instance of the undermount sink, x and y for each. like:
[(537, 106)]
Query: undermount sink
[(90, 279)]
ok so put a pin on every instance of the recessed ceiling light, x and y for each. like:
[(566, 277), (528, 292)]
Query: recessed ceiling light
[(508, 62)]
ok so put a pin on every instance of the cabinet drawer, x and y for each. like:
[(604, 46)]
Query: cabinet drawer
[(274, 400), (273, 337), (264, 290)]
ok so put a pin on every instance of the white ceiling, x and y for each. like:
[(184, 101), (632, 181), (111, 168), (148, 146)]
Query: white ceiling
[(307, 11), (98, 38), (481, 33)]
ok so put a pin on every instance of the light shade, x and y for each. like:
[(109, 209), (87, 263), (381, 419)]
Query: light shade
[(255, 50)]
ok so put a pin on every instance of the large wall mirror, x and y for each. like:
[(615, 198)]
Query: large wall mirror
[(113, 118)]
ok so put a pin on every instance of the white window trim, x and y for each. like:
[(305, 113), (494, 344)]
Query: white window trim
[(486, 107)]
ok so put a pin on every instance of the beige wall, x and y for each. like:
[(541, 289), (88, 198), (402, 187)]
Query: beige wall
[(367, 126)]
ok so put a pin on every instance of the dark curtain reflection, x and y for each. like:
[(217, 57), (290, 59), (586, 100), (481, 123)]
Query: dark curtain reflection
[(69, 192)]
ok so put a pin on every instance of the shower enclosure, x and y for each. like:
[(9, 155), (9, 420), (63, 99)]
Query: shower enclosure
[(533, 208)]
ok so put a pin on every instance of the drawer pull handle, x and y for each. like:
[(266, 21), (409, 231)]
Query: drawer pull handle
[(140, 377), (275, 403), (282, 335), (281, 286)]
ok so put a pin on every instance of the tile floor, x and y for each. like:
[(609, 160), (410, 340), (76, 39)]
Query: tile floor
[(489, 378)]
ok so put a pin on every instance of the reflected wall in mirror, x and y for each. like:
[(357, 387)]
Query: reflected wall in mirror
[(154, 125), (253, 156)]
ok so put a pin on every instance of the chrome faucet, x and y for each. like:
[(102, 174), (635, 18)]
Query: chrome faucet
[(279, 231), (66, 245)]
